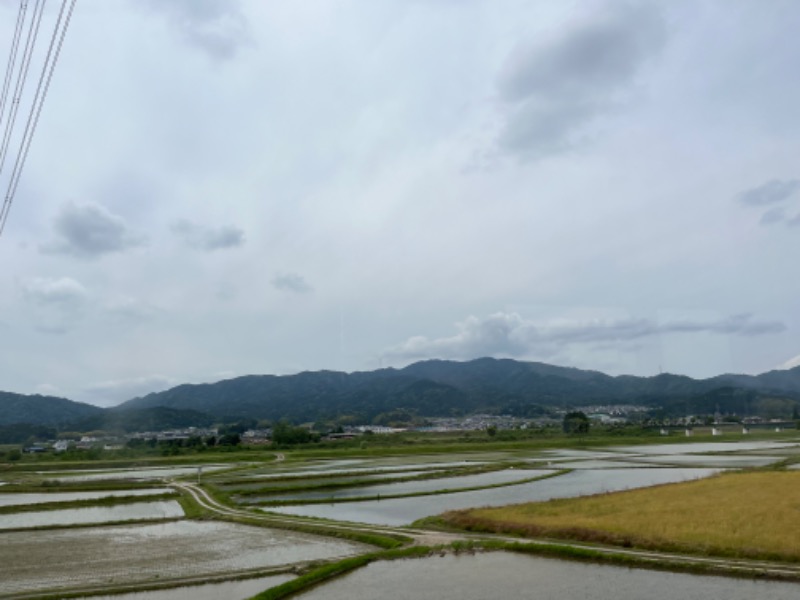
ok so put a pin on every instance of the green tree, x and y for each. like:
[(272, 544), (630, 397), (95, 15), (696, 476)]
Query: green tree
[(576, 422)]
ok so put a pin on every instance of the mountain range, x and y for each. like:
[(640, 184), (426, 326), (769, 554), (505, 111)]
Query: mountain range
[(432, 388)]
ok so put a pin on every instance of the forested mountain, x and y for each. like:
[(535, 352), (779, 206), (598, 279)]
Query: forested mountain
[(449, 388), (43, 410), (424, 389)]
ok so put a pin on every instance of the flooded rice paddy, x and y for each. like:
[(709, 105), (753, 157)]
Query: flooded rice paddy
[(131, 474), (414, 487), (506, 575), (363, 469), (736, 461), (227, 590), (152, 553), (187, 551), (138, 511), (404, 511), (15, 499)]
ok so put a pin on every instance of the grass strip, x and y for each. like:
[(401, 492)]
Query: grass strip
[(331, 570), (386, 541)]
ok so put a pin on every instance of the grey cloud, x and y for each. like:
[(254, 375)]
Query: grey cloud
[(88, 231), (552, 91), (208, 238), (771, 192), (794, 221), (508, 334), (218, 27), (772, 216), (535, 129), (292, 282)]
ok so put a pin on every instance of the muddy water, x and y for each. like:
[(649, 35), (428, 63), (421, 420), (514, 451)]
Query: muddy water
[(117, 555), (229, 590), (138, 511), (504, 575), (26, 499)]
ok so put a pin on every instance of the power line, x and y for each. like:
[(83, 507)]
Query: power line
[(43, 85), (22, 76), (12, 57)]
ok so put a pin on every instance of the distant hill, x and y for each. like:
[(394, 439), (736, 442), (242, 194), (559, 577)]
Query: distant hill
[(43, 410), (432, 388), (449, 388)]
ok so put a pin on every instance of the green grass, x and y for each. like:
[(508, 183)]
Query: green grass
[(331, 570)]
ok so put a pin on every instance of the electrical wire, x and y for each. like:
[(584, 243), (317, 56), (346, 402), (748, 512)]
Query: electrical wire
[(48, 68), (33, 117), (22, 76), (12, 56)]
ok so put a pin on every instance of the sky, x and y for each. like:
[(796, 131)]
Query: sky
[(219, 188)]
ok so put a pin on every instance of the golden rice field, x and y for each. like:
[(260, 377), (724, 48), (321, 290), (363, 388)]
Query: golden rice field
[(750, 514)]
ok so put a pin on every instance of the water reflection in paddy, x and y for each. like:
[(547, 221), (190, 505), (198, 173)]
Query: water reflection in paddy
[(139, 511), (232, 485), (505, 575), (403, 511), (702, 447), (154, 473), (152, 552), (711, 460), (412, 487), (28, 498), (355, 471), (229, 590), (594, 464)]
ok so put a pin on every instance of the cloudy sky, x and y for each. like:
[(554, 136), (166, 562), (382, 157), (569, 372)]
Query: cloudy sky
[(219, 188)]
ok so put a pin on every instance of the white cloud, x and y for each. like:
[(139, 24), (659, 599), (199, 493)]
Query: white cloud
[(790, 364), (63, 291), (508, 334)]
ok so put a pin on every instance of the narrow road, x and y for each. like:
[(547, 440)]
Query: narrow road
[(756, 568)]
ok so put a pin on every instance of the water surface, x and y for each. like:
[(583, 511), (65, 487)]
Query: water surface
[(138, 511), (413, 487), (38, 498), (403, 511), (229, 590), (143, 553), (506, 575)]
